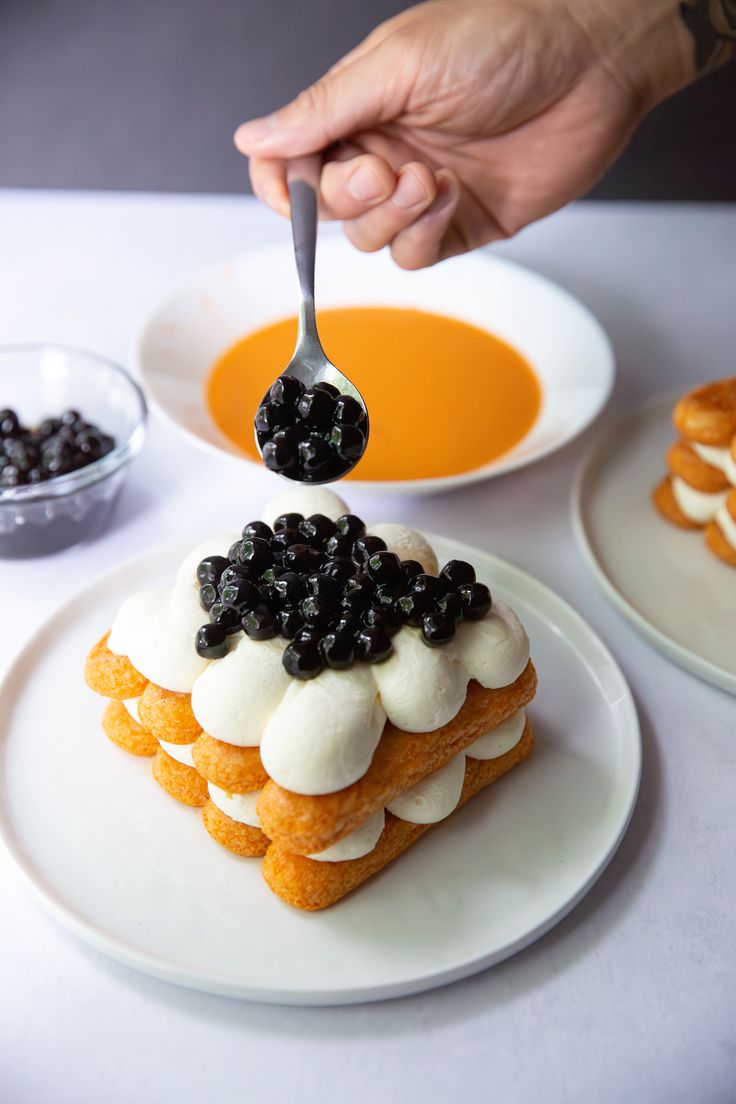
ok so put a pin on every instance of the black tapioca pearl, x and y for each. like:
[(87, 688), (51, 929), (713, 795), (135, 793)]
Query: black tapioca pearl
[(457, 573), (211, 641), (348, 411), (476, 601), (210, 569), (437, 630), (384, 567)]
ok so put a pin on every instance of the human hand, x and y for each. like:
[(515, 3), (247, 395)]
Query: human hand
[(460, 121)]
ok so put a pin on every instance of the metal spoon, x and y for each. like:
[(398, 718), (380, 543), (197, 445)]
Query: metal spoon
[(309, 362)]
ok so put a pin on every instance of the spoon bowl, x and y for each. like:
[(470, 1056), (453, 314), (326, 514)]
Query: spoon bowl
[(309, 363)]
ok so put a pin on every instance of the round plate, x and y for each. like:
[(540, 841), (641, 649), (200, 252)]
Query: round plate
[(678, 595), (559, 337), (134, 873)]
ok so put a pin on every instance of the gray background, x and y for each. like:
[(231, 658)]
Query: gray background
[(145, 94)]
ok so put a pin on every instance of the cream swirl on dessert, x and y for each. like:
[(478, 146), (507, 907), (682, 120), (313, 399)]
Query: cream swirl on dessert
[(239, 807), (181, 752), (315, 736), (236, 696), (698, 506), (155, 628), (322, 735), (131, 704), (431, 800), (357, 844), (434, 798), (500, 739), (730, 465), (718, 457), (422, 690)]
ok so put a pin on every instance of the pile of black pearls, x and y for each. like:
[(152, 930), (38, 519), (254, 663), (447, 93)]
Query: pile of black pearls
[(332, 590), (312, 435), (55, 447)]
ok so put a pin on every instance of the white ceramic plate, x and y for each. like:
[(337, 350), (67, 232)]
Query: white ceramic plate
[(134, 873), (558, 335), (678, 595)]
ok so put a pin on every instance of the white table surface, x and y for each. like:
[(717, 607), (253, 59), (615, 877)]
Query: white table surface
[(633, 997)]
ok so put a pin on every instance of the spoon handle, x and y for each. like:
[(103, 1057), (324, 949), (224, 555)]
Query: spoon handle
[(302, 178)]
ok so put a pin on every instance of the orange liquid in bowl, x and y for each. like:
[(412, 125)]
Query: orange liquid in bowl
[(443, 397)]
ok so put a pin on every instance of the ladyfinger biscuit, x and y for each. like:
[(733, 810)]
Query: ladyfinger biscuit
[(235, 769), (718, 544), (664, 499), (112, 675), (708, 413), (682, 460), (123, 730), (168, 715), (312, 885), (304, 824), (240, 838), (180, 781)]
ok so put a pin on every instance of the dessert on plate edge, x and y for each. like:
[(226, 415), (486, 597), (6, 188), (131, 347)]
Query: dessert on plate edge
[(699, 491), (343, 696)]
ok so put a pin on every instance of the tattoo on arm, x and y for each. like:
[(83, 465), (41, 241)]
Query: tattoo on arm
[(712, 23)]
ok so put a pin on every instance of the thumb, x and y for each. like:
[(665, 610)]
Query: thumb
[(351, 97)]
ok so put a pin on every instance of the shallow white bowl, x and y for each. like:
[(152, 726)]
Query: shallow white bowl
[(560, 338)]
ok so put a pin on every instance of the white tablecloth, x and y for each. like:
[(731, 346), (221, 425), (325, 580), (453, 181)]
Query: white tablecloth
[(632, 998)]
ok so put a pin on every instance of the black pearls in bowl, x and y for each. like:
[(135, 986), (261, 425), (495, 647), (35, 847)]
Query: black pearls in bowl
[(334, 592), (56, 446), (311, 435), (70, 424)]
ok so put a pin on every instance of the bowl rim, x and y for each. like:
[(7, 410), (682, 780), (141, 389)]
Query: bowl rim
[(504, 464), (121, 454)]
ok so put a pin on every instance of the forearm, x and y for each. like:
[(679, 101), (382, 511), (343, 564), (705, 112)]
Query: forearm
[(659, 46)]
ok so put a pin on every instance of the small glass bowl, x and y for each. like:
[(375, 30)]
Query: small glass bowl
[(42, 381)]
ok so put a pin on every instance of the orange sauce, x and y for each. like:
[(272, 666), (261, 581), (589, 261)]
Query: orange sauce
[(443, 397)]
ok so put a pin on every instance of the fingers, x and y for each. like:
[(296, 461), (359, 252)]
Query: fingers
[(429, 239), (268, 181), (412, 210), (415, 190), (348, 189)]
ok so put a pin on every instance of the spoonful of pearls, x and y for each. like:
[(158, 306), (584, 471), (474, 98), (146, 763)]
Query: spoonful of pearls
[(312, 424)]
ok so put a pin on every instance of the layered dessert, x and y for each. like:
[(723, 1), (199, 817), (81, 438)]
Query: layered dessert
[(698, 491), (323, 691)]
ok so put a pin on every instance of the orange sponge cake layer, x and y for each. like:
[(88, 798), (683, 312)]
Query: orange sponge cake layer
[(180, 781), (123, 730), (312, 885), (304, 825), (683, 461), (111, 675), (234, 769), (242, 839), (708, 413), (168, 715), (665, 501)]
